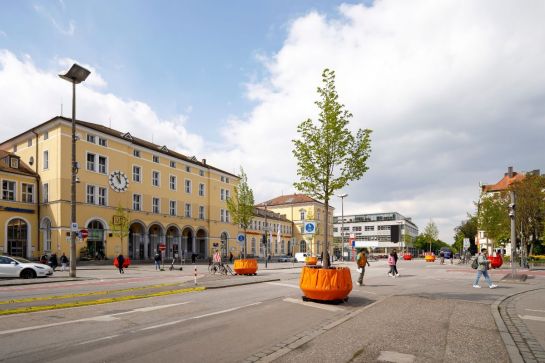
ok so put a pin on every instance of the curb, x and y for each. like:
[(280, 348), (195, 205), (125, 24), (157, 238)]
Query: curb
[(236, 284), (510, 345), (48, 281)]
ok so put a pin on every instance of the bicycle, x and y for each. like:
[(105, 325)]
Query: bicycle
[(213, 268)]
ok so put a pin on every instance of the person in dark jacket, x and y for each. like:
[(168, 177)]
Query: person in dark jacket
[(53, 262), (120, 261), (64, 262), (157, 259)]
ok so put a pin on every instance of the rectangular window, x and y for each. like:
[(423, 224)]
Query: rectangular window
[(201, 189), (27, 193), (102, 164), (102, 196), (155, 178), (8, 190), (155, 159), (172, 208), (302, 215), (14, 148), (369, 228), (91, 194), (222, 215), (188, 169), (155, 205), (188, 210), (226, 216), (91, 138), (46, 135), (29, 143), (188, 186), (136, 202), (222, 194), (227, 195), (46, 193), (227, 180), (173, 164), (172, 182), (91, 161), (136, 153), (222, 178), (46, 159), (136, 173), (201, 172), (102, 142), (201, 212), (14, 163)]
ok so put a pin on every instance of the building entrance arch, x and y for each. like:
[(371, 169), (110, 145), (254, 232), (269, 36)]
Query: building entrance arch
[(188, 241), (137, 237), (202, 242), (156, 237), (17, 237), (95, 240), (173, 241)]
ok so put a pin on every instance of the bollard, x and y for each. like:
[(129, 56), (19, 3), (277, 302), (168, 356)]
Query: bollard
[(195, 274)]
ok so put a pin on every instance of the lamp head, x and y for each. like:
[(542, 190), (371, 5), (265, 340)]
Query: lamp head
[(343, 195), (76, 74)]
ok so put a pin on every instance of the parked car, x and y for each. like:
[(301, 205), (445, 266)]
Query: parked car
[(19, 267), (300, 256), (285, 259)]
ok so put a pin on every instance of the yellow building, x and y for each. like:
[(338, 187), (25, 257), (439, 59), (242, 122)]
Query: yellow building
[(18, 206), (169, 198), (277, 229), (307, 216)]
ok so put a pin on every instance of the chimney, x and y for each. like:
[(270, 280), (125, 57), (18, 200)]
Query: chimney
[(510, 171), (204, 161)]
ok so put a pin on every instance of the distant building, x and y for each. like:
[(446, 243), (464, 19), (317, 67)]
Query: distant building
[(379, 232)]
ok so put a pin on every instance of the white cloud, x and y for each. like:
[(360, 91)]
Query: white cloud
[(454, 92), (33, 96)]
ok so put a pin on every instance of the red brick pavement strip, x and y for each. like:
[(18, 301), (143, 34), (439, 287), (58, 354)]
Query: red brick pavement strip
[(504, 272)]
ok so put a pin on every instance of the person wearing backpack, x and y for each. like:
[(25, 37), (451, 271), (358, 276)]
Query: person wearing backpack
[(392, 260), (361, 260), (482, 269)]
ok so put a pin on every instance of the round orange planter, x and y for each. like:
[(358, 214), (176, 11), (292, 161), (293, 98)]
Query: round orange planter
[(407, 257), (430, 258), (245, 267), (495, 261), (325, 284), (311, 261)]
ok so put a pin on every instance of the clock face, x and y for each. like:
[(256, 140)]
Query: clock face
[(118, 181)]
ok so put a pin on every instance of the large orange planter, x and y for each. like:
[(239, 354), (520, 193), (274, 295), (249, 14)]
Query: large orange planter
[(245, 267), (430, 258), (311, 260), (325, 284), (407, 257), (495, 261), (126, 262)]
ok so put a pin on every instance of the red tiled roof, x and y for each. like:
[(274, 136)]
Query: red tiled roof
[(23, 169), (504, 183), (290, 199)]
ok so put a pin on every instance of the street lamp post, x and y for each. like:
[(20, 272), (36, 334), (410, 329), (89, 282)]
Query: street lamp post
[(75, 75), (342, 196)]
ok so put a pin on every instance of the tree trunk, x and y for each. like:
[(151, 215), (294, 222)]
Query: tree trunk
[(245, 244), (325, 259)]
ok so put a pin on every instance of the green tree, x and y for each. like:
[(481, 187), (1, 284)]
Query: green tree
[(431, 233), (529, 211), (466, 229), (493, 216), (241, 205), (120, 224), (328, 155)]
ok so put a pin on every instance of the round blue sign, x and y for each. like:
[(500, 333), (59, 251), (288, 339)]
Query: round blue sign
[(240, 238), (309, 227)]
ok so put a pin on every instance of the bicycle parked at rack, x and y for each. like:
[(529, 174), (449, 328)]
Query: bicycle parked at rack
[(221, 268)]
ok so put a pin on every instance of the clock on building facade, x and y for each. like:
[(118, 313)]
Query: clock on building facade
[(118, 181)]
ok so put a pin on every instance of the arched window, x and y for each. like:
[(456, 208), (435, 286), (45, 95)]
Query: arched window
[(302, 246), (17, 237), (46, 231)]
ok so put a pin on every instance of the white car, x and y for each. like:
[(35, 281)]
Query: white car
[(19, 267), (301, 256)]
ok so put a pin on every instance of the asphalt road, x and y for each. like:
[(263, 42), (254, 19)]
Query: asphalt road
[(229, 324)]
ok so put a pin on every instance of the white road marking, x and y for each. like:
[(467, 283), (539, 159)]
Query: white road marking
[(541, 311), (313, 304), (98, 340), (197, 317), (531, 317), (395, 357), (281, 284), (100, 318)]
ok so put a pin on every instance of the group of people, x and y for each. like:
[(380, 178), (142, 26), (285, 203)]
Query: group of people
[(53, 261), (483, 265)]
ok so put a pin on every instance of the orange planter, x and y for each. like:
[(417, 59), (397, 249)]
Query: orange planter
[(430, 258), (325, 284), (245, 267), (407, 257), (126, 262), (311, 261), (495, 261)]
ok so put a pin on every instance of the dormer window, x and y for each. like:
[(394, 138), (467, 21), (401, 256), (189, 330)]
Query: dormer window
[(127, 136), (14, 163)]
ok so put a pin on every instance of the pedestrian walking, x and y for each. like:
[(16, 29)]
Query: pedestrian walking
[(392, 262), (482, 269), (216, 259), (230, 257), (120, 262), (157, 259), (442, 257), (361, 260), (53, 262), (64, 262), (193, 257)]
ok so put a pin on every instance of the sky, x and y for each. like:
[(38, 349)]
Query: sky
[(454, 91)]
